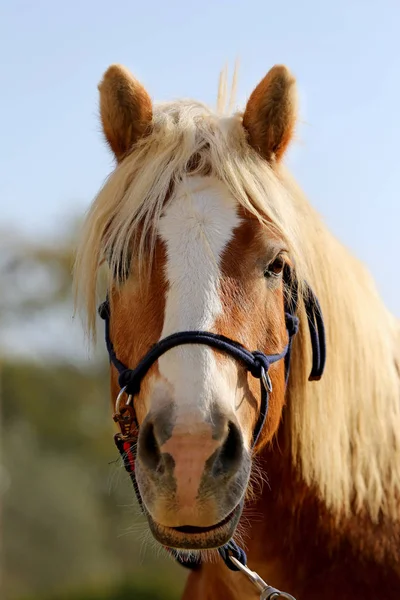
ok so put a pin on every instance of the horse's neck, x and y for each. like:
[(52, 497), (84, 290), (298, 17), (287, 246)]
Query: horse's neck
[(297, 545), (278, 516), (293, 537)]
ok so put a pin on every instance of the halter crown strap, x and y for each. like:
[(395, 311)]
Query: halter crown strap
[(317, 335)]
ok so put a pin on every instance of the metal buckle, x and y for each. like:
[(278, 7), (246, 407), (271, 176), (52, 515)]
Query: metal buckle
[(267, 592), (266, 379)]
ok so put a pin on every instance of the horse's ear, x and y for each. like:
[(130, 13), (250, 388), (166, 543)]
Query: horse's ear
[(125, 108), (270, 114)]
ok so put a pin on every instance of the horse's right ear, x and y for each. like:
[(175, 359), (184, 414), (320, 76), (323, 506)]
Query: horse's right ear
[(125, 108), (270, 115)]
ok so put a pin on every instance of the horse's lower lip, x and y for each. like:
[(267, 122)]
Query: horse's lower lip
[(197, 538), (190, 529)]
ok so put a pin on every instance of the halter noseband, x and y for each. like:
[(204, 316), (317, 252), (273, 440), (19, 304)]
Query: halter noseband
[(257, 363)]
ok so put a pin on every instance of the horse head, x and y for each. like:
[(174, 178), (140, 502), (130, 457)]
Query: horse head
[(198, 236)]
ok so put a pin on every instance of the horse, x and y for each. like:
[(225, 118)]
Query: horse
[(201, 229)]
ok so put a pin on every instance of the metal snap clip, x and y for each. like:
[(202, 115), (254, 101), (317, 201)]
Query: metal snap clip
[(119, 399), (124, 414), (267, 592)]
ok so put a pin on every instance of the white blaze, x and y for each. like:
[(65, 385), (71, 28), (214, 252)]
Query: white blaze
[(196, 227)]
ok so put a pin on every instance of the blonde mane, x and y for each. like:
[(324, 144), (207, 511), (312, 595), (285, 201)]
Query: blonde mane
[(185, 136), (345, 430), (222, 107)]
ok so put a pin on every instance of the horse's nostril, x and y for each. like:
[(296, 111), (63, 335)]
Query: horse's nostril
[(149, 449), (231, 452), (216, 452)]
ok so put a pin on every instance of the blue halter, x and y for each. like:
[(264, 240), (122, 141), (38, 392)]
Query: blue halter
[(257, 363)]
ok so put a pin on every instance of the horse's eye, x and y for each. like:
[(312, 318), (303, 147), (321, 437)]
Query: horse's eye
[(275, 268)]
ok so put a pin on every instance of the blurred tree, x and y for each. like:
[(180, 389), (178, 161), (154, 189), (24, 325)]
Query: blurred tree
[(69, 514), (34, 276)]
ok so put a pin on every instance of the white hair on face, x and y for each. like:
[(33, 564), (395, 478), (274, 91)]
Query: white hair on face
[(196, 227)]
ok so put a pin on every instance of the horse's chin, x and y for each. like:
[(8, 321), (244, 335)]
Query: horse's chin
[(197, 538)]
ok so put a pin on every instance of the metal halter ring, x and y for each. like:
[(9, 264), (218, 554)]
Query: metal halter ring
[(266, 379), (118, 401)]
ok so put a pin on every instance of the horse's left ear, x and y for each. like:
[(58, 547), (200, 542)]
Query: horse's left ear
[(270, 114), (125, 108)]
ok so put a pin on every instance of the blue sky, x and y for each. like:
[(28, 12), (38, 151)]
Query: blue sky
[(345, 55)]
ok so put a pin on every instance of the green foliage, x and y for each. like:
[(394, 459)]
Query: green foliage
[(152, 590), (70, 517)]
